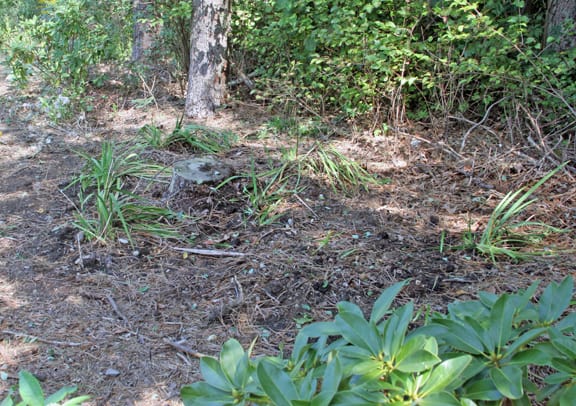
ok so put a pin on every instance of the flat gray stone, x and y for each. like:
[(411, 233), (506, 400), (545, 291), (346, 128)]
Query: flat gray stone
[(197, 171)]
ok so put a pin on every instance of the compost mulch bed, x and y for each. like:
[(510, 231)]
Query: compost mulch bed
[(126, 323)]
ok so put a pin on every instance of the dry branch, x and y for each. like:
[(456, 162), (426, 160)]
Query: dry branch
[(43, 340), (210, 253)]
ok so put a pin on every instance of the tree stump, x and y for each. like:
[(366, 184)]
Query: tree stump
[(197, 171)]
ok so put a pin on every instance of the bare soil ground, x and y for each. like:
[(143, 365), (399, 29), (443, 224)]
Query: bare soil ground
[(108, 323)]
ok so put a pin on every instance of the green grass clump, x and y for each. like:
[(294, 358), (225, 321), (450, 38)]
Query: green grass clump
[(107, 206), (191, 137), (505, 235)]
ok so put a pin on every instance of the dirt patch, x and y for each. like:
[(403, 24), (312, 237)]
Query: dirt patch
[(108, 323)]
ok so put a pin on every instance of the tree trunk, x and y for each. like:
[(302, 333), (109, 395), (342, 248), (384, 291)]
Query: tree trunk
[(561, 24), (209, 39), (141, 36)]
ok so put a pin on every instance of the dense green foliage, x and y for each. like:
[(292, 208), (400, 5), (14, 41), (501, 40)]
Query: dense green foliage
[(379, 59), (383, 58), (482, 352), (61, 41)]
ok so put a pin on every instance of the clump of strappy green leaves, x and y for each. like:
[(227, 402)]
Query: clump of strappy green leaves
[(506, 235), (265, 191), (482, 352), (109, 203), (191, 137), (28, 392)]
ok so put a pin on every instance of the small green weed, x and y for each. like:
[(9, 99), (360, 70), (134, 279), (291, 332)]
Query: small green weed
[(31, 394), (505, 236)]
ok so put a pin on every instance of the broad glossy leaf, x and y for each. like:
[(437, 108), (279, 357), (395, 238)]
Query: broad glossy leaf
[(565, 345), (244, 370), (557, 378), (444, 374), (524, 339), (358, 398), (411, 345), (461, 336), (567, 366), (370, 367), (322, 399), (347, 307), (532, 356), (277, 384), (213, 374), (508, 380), (523, 401), (320, 328), (476, 367), (201, 393), (60, 394), (77, 401), (418, 361), (382, 304), (30, 389), (439, 399), (231, 355), (355, 353), (358, 331), (555, 299), (332, 378), (471, 308), (395, 329), (307, 386), (300, 346), (567, 397), (483, 389), (500, 327), (568, 323)]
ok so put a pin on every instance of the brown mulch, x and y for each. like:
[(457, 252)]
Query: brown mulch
[(125, 323)]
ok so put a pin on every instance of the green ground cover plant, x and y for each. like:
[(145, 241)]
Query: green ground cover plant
[(499, 349)]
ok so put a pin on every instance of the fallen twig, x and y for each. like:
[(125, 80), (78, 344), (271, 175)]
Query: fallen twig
[(43, 340), (116, 310), (184, 349), (211, 253)]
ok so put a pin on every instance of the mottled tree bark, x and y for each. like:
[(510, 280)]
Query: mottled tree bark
[(209, 40), (561, 23), (141, 37)]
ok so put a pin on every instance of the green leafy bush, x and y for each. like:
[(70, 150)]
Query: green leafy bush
[(31, 394), (480, 353), (386, 59), (61, 40)]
